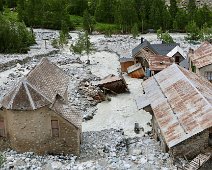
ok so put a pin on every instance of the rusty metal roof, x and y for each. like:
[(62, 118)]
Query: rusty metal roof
[(181, 102), (156, 62), (134, 68), (203, 55), (39, 88)]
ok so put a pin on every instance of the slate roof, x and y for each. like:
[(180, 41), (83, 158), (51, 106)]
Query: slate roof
[(39, 88), (181, 102), (161, 49), (203, 55)]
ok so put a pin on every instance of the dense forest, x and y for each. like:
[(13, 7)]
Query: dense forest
[(109, 16)]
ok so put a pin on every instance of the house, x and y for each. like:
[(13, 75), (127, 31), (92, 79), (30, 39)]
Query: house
[(171, 50), (35, 115), (201, 60), (154, 63), (125, 63), (136, 71), (112, 83), (181, 105)]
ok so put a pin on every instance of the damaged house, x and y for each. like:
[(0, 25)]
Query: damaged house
[(201, 60), (113, 84), (35, 115), (171, 50), (181, 105)]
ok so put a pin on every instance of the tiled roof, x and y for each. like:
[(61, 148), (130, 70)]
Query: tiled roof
[(40, 88), (156, 62), (203, 55), (68, 112), (181, 102)]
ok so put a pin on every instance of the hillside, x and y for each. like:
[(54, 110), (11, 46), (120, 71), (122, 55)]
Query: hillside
[(200, 3)]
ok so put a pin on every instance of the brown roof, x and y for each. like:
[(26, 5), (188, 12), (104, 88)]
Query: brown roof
[(181, 102), (68, 112), (110, 78), (156, 62), (203, 55), (39, 88)]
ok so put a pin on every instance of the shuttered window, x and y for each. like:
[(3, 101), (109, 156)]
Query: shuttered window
[(2, 128), (55, 128)]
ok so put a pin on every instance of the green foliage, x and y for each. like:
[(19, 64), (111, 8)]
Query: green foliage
[(2, 159), (107, 29), (83, 44), (181, 20), (206, 32), (134, 30), (193, 31), (61, 41), (77, 21), (126, 15), (46, 14), (77, 7), (191, 9), (173, 8), (14, 36), (10, 15), (105, 11), (1, 5), (88, 22), (165, 37)]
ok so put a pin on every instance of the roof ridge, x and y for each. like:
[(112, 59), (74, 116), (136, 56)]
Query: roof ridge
[(192, 84), (29, 95)]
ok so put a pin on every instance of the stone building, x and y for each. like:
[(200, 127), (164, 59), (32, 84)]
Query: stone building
[(181, 104), (201, 60), (35, 115)]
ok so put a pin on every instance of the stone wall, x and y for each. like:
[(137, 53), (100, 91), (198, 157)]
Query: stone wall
[(205, 69), (192, 146), (31, 131)]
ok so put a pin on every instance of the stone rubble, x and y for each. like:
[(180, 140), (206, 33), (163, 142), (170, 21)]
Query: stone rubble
[(105, 149)]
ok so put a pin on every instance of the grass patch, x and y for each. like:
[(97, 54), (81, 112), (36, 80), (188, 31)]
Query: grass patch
[(107, 29), (77, 21)]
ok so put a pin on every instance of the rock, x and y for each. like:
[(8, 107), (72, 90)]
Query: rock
[(56, 165)]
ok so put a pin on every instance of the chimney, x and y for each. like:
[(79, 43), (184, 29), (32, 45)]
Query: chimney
[(191, 51), (142, 40)]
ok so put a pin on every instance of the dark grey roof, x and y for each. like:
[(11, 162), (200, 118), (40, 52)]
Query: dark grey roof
[(161, 49), (125, 59), (164, 49), (142, 46)]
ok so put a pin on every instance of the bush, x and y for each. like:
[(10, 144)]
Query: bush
[(2, 159), (77, 21), (193, 32), (107, 29), (165, 37), (14, 36)]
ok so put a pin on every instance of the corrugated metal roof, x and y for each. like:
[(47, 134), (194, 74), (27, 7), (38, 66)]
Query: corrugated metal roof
[(156, 62), (181, 102), (203, 55), (134, 68)]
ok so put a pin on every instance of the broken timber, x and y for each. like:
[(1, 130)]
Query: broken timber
[(197, 162)]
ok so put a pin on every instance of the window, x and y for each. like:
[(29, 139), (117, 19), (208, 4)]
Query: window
[(55, 128), (2, 128), (208, 75)]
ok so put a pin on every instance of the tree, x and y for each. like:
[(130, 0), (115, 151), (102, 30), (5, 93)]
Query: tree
[(105, 11), (125, 15), (165, 37), (88, 22), (203, 15), (206, 32), (193, 31), (77, 7), (181, 20), (83, 44), (173, 8), (1, 5), (192, 9), (134, 30)]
